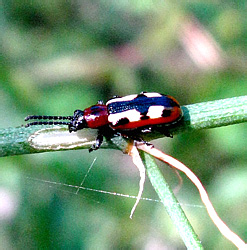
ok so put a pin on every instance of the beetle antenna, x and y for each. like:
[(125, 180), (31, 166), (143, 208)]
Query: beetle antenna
[(46, 123), (50, 118), (47, 117)]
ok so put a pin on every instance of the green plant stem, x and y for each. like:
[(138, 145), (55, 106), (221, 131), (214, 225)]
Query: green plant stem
[(170, 203), (215, 113), (15, 141)]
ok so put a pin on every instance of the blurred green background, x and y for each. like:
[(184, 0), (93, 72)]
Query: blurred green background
[(58, 56)]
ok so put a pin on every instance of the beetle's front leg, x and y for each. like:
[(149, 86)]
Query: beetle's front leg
[(97, 144)]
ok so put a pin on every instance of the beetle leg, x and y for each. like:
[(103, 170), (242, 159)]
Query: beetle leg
[(137, 138), (164, 132), (167, 134), (97, 144), (144, 142)]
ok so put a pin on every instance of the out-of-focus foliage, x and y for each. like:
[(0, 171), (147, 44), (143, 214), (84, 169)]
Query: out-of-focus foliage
[(58, 56)]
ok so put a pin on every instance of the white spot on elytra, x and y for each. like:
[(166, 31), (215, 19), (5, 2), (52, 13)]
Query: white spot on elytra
[(133, 116), (131, 97), (155, 112), (152, 94)]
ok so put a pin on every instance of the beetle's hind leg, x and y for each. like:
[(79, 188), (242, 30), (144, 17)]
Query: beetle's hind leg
[(162, 129), (137, 138)]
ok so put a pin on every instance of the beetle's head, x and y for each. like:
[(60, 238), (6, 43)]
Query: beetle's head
[(78, 121)]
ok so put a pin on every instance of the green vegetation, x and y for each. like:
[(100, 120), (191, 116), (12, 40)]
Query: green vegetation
[(61, 56)]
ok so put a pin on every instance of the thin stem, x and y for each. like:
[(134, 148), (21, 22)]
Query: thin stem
[(170, 203), (14, 141), (219, 223)]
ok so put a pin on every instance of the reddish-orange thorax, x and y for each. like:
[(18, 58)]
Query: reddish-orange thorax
[(96, 116)]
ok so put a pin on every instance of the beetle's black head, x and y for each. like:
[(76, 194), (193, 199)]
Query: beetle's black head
[(77, 122)]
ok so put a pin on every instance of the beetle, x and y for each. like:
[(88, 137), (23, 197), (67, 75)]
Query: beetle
[(129, 116)]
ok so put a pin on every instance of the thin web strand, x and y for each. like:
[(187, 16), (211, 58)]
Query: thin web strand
[(89, 169), (105, 192)]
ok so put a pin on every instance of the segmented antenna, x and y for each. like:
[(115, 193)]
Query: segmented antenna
[(45, 117)]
